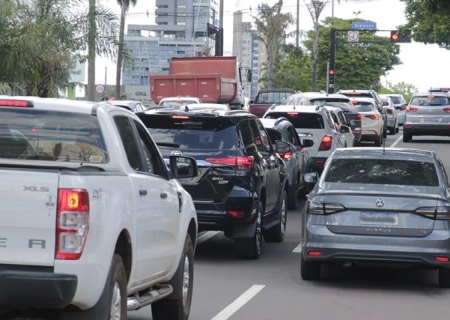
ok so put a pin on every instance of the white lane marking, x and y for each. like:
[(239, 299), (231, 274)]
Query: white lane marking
[(206, 236), (239, 302), (396, 141), (298, 249)]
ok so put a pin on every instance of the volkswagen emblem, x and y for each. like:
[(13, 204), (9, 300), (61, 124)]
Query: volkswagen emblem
[(176, 153), (379, 203)]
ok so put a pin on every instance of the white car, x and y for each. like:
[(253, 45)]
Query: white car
[(339, 120), (371, 120), (177, 101), (314, 123)]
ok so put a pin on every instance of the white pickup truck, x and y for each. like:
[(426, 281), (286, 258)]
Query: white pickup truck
[(93, 223)]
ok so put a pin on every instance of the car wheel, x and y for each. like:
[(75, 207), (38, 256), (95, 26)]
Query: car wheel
[(397, 129), (309, 270), (444, 278), (277, 232), (407, 137), (392, 130), (250, 248), (179, 306), (293, 197), (379, 141), (113, 301)]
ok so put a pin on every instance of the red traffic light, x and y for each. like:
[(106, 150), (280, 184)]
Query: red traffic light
[(331, 72)]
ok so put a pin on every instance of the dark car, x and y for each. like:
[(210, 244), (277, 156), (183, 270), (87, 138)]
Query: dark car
[(296, 157), (241, 186), (132, 105), (266, 98)]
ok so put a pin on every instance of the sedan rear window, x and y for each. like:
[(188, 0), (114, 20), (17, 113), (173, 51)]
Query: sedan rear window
[(430, 100), (377, 171), (363, 106), (300, 120), (397, 100)]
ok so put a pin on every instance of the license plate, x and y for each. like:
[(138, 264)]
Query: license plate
[(378, 218)]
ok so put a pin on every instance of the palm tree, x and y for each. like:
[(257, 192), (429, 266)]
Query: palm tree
[(125, 5)]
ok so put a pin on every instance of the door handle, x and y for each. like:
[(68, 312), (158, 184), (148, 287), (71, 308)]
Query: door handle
[(142, 192), (163, 195)]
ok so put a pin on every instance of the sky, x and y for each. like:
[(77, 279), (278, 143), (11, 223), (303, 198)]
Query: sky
[(422, 65)]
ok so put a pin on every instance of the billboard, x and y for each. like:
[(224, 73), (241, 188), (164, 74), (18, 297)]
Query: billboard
[(78, 73), (140, 93)]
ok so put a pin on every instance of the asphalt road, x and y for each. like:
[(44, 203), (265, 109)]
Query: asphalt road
[(271, 287)]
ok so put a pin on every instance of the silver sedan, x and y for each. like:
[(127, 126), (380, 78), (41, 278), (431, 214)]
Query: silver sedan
[(375, 207)]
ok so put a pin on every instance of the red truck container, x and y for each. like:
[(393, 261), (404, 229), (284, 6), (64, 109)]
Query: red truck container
[(212, 79)]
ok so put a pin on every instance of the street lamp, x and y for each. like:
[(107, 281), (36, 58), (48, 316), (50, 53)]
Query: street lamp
[(357, 13)]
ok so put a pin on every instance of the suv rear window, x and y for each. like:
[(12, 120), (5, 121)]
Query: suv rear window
[(272, 97), (430, 100), (175, 103), (321, 101), (376, 171), (357, 94), (300, 120), (363, 106), (193, 133), (397, 100), (51, 136)]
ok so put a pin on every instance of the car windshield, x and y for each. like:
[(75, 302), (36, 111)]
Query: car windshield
[(51, 136), (430, 100), (300, 120), (175, 104), (294, 99), (199, 133), (363, 106), (397, 100), (382, 171), (272, 97)]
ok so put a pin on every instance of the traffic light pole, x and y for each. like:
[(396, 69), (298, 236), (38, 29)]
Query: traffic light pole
[(331, 69)]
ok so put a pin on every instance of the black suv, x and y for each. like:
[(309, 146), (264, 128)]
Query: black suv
[(241, 186)]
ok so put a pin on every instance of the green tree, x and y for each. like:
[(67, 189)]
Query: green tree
[(124, 5), (429, 21), (358, 65), (271, 25), (293, 69)]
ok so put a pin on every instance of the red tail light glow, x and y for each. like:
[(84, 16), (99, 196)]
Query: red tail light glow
[(180, 117), (240, 162), (237, 214), (447, 110), (411, 109), (326, 143), (389, 111), (285, 155), (314, 253), (72, 223), (372, 116), (358, 116), (442, 259), (16, 103)]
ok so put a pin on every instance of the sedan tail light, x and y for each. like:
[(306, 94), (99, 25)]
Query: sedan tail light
[(372, 116), (316, 207), (437, 213), (326, 143), (72, 223), (358, 116), (389, 111), (447, 110), (411, 109)]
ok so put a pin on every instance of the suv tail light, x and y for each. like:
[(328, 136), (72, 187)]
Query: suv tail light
[(326, 143), (285, 155), (72, 223), (389, 111), (373, 116), (240, 162), (411, 109), (315, 207)]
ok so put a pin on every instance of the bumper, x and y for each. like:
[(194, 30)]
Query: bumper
[(317, 164), (424, 129), (37, 290), (377, 249), (390, 123)]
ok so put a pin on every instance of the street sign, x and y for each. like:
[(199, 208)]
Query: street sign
[(368, 25), (353, 36), (99, 88)]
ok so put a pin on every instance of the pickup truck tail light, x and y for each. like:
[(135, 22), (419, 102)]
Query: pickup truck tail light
[(72, 223), (240, 162), (326, 143)]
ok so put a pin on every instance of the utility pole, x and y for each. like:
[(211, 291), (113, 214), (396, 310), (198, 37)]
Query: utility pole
[(332, 8), (92, 33), (221, 14), (298, 24)]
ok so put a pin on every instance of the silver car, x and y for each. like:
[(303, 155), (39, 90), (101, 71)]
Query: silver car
[(391, 114), (375, 207)]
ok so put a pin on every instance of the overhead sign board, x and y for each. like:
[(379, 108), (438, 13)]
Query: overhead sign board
[(367, 25)]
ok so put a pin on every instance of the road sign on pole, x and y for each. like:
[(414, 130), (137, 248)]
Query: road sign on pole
[(99, 88), (368, 25), (353, 36)]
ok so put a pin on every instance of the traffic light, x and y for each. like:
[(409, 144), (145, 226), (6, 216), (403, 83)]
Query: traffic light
[(331, 76), (403, 37)]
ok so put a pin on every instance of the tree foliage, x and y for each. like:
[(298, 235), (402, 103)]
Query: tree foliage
[(358, 65), (429, 21)]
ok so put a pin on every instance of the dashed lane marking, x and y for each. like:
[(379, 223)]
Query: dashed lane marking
[(396, 141), (239, 302), (298, 249)]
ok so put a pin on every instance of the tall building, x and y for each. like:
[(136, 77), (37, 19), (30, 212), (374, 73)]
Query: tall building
[(180, 31), (243, 44)]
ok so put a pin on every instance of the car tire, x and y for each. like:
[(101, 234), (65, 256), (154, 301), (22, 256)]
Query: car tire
[(277, 232), (444, 278), (309, 270), (178, 305), (250, 248), (392, 130), (398, 128), (113, 300), (379, 141), (292, 200), (407, 137)]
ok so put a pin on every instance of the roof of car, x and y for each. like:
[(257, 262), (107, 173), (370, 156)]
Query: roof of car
[(387, 153), (120, 102), (362, 99), (270, 123), (292, 108), (355, 90), (440, 94), (179, 98), (194, 111)]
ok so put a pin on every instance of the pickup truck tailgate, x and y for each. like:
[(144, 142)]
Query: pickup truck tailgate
[(28, 216)]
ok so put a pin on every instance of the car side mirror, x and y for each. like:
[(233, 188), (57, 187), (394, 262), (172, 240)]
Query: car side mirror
[(282, 146), (183, 167), (311, 177), (307, 143), (345, 129)]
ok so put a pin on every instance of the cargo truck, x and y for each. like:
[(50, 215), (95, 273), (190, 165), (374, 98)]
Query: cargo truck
[(212, 79)]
